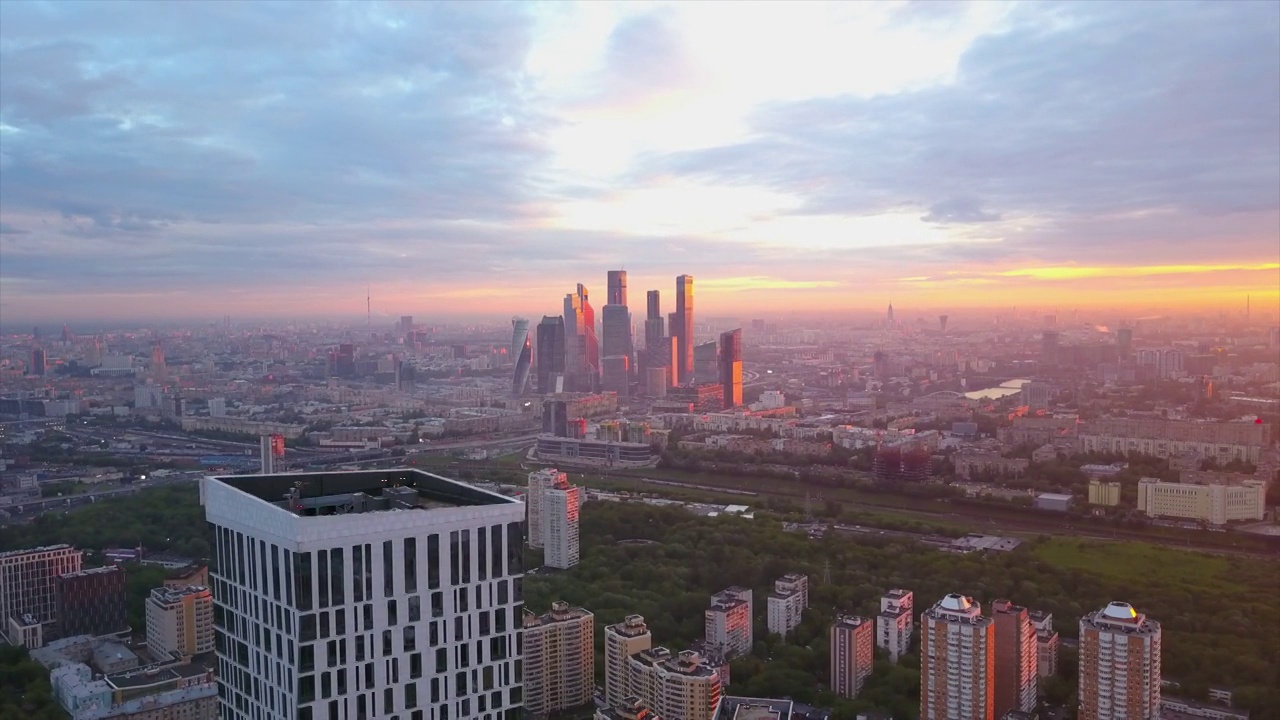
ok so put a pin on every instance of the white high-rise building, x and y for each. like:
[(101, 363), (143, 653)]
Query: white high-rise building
[(217, 407), (539, 480), (727, 622), (561, 504), (1119, 665), (369, 594), (895, 623), (787, 603), (957, 661)]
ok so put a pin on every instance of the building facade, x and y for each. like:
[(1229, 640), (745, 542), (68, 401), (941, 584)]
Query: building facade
[(538, 483), (676, 685), (1017, 677), (731, 367), (728, 622), (682, 330), (180, 620), (28, 581), (895, 623), (1104, 492), (1046, 643), (957, 661), (1224, 441), (92, 602), (1119, 665), (382, 593), (787, 603), (621, 641), (559, 659), (561, 504), (1216, 503), (852, 648)]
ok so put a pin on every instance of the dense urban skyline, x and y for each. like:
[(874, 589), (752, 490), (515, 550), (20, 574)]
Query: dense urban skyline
[(258, 161)]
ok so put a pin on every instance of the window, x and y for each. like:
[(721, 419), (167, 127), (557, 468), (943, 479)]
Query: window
[(322, 567), (466, 556), (335, 557), (388, 570), (515, 548), (415, 608), (433, 562), (437, 604), (495, 550), (393, 616), (357, 574), (302, 578), (410, 638), (411, 565), (455, 568), (482, 554)]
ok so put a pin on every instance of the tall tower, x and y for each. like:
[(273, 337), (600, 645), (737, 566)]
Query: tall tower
[(354, 556), (1119, 665), (654, 324), (617, 339), (731, 367), (889, 315), (682, 328), (1017, 670), (551, 354), (617, 288), (521, 355), (957, 661)]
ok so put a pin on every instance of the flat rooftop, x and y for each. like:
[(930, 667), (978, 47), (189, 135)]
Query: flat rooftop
[(361, 491)]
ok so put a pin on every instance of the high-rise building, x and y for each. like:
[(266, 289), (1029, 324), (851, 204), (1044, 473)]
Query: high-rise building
[(706, 366), (270, 447), (559, 659), (1124, 342), (676, 685), (561, 503), (92, 602), (631, 708), (731, 367), (28, 582), (655, 380), (662, 353), (157, 367), (617, 339), (521, 355), (1016, 658), (551, 354), (615, 374), (895, 623), (217, 407), (539, 481), (406, 323), (1046, 643), (180, 620), (38, 362), (1119, 665), (417, 576), (654, 324), (621, 641), (957, 661), (682, 329), (582, 350), (1049, 348), (1164, 363), (852, 649), (787, 603), (616, 289), (728, 621)]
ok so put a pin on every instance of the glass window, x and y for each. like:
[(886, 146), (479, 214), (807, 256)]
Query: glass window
[(411, 565), (433, 562)]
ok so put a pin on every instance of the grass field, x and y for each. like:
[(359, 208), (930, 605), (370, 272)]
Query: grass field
[(1132, 562)]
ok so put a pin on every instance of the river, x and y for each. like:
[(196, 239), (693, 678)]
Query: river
[(1005, 389)]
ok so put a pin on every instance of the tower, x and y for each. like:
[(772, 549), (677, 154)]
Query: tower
[(521, 355), (731, 367), (618, 344), (1016, 658), (1119, 665), (550, 354), (560, 506), (957, 661), (682, 328), (617, 288), (889, 315)]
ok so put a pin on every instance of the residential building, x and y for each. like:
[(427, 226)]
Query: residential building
[(1016, 658), (1214, 501), (895, 623), (1104, 492), (539, 482), (728, 622), (1036, 394), (180, 620), (1165, 363), (731, 367), (559, 659), (957, 661), (629, 708), (852, 649), (1224, 441), (1046, 643), (621, 641), (561, 504), (412, 575), (682, 330), (787, 603), (92, 602), (28, 581), (676, 685), (1119, 665)]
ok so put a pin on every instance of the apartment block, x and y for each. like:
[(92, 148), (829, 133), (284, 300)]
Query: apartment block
[(728, 622), (180, 621), (676, 685), (375, 588), (28, 582), (92, 602), (852, 650), (631, 708), (1119, 665), (560, 508), (1046, 643), (539, 481), (895, 623), (621, 641), (787, 603), (957, 661), (1225, 441), (1017, 675), (1212, 501), (559, 659), (1104, 492)]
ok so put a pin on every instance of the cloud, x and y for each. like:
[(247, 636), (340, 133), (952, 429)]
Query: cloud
[(958, 210), (7, 229)]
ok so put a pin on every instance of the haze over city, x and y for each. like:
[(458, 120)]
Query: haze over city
[(259, 160)]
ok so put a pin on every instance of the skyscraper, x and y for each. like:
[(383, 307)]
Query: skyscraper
[(582, 350), (706, 368), (1049, 348), (617, 340), (521, 355), (551, 354), (1016, 658), (38, 362), (957, 661), (560, 506), (615, 374), (617, 288), (1119, 665), (852, 649), (366, 564), (889, 315), (559, 659), (682, 328), (731, 367)]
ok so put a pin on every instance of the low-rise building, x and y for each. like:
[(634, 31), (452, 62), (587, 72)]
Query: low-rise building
[(1210, 501), (1104, 493), (970, 463)]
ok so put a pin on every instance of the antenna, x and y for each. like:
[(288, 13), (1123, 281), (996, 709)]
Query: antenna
[(368, 308)]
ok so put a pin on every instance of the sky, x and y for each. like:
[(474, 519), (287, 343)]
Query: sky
[(167, 160)]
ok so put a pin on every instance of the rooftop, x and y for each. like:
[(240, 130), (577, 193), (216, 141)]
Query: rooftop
[(93, 571), (560, 612), (361, 491), (46, 548)]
